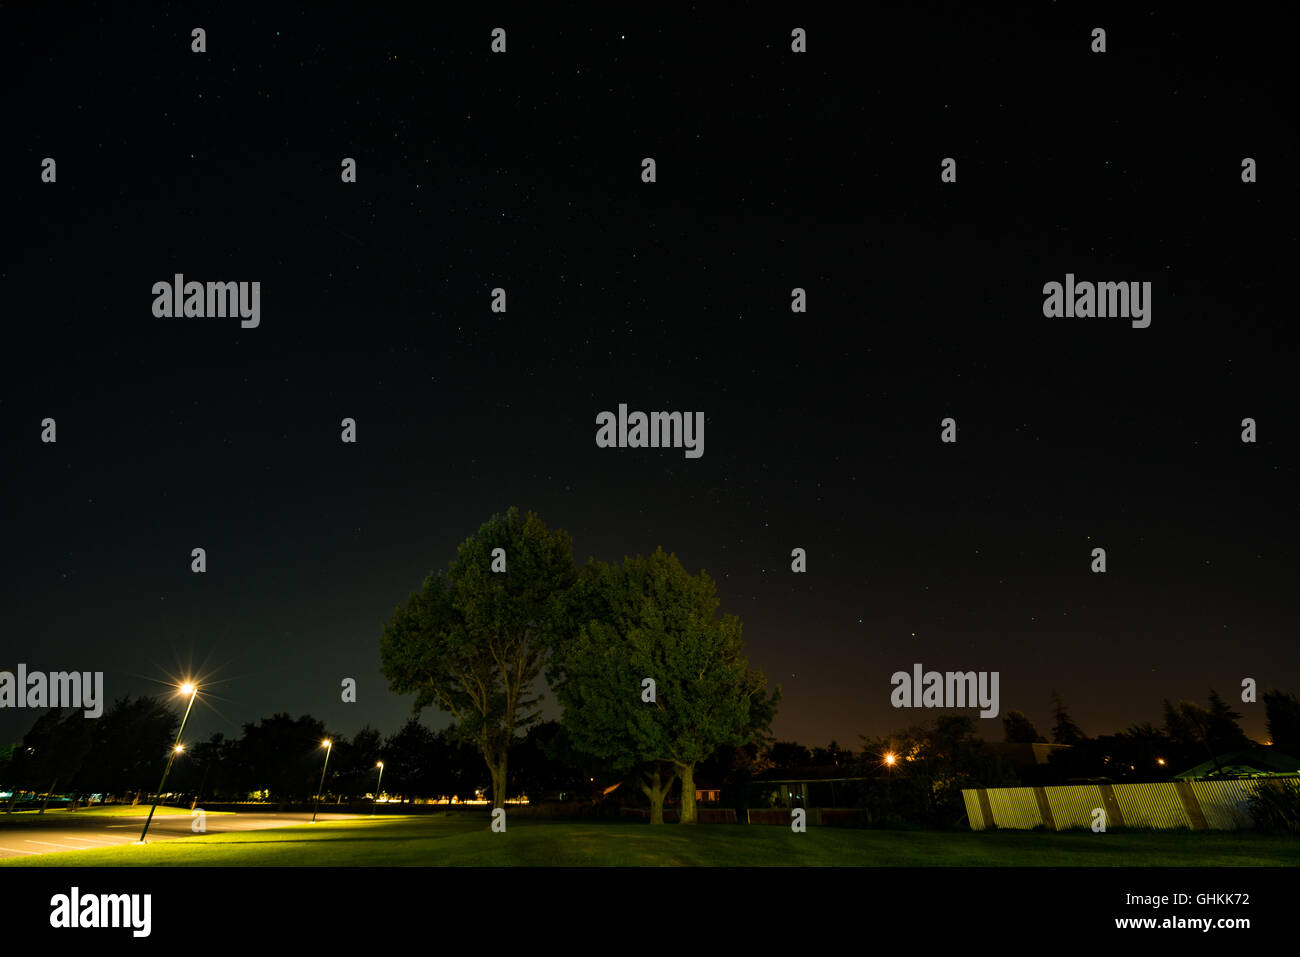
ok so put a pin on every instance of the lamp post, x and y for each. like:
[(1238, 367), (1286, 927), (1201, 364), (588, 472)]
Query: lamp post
[(193, 691), (377, 784), (890, 760), (328, 745)]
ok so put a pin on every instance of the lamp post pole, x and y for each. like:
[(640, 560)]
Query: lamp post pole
[(329, 746), (194, 692), (377, 785)]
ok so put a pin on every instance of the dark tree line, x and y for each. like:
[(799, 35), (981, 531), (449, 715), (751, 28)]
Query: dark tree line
[(121, 755), (1189, 735)]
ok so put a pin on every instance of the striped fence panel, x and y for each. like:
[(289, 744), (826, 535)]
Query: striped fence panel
[(1194, 805)]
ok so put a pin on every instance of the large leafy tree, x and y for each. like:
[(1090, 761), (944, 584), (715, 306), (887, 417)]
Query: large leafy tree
[(472, 641), (649, 618)]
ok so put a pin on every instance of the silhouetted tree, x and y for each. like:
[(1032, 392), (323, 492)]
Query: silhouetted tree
[(789, 754), (1283, 713), (1064, 731), (1018, 729), (830, 756), (51, 752), (282, 755), (132, 742)]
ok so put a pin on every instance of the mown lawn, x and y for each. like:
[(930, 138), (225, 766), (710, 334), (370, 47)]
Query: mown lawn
[(463, 839)]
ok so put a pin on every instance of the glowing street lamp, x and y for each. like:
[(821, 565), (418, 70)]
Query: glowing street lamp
[(193, 691), (380, 765), (328, 745)]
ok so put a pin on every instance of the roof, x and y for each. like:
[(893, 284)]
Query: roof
[(1244, 764)]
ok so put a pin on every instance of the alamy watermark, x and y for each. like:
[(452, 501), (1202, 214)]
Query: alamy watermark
[(215, 299), (1084, 300), (654, 430), (952, 689), (58, 689), (75, 909)]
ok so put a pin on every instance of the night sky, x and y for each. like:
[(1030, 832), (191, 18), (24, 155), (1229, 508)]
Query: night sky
[(775, 170)]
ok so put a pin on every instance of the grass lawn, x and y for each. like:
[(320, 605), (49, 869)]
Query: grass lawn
[(461, 839)]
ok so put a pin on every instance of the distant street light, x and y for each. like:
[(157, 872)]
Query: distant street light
[(328, 745), (177, 748), (380, 765)]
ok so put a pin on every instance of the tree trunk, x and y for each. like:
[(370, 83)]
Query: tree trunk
[(53, 784), (656, 785), (687, 774), (498, 782)]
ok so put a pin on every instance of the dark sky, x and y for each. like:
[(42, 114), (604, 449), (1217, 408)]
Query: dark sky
[(775, 170)]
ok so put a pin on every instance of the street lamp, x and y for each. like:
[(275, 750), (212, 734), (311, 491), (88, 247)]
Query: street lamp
[(380, 765), (193, 691), (328, 745)]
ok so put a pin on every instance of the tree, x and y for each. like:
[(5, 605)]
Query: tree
[(52, 751), (358, 761), (208, 769), (132, 742), (1018, 729), (473, 641), (1222, 730), (1213, 730), (1283, 714), (830, 756), (545, 762), (650, 619), (410, 761), (1065, 731), (283, 756), (935, 761), (789, 754)]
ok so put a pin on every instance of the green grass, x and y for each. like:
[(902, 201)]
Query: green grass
[(461, 839)]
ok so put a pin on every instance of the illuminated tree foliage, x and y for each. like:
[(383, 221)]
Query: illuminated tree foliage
[(649, 618), (472, 641)]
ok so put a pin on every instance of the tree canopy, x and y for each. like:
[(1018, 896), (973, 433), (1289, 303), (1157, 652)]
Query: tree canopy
[(473, 640), (648, 620)]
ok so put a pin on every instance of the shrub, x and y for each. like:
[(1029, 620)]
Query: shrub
[(1275, 807)]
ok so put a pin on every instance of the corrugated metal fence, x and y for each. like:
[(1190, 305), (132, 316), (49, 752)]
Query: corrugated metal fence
[(1197, 805)]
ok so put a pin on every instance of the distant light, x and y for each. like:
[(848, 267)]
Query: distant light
[(180, 748), (380, 764), (187, 688), (890, 758), (326, 743), (1160, 760)]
